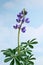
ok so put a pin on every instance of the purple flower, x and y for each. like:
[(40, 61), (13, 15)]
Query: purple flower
[(23, 29), (19, 16), (21, 13), (18, 20), (24, 12), (23, 20), (27, 20), (15, 27)]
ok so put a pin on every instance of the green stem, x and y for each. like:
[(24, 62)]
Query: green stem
[(18, 41), (19, 38), (19, 35)]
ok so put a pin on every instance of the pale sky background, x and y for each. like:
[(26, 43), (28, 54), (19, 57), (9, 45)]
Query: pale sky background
[(8, 36)]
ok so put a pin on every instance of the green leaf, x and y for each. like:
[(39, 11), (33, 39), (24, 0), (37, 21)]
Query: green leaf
[(23, 53), (31, 62), (12, 62), (3, 50), (14, 51), (33, 59), (35, 42), (17, 61), (23, 43), (21, 63), (22, 48), (22, 59), (31, 55), (28, 41), (7, 59), (31, 46), (7, 52), (28, 52)]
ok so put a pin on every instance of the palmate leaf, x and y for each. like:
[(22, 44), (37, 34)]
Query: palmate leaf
[(28, 51), (7, 59), (31, 42), (7, 52)]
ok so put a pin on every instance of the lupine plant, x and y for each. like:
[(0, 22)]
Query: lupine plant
[(22, 54)]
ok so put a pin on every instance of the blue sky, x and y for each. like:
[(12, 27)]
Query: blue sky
[(8, 36)]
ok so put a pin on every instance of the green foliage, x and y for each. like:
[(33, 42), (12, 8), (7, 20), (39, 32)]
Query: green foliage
[(25, 56)]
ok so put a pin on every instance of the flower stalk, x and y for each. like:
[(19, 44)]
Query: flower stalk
[(21, 19), (19, 37)]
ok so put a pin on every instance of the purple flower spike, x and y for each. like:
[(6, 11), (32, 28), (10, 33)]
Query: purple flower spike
[(18, 20), (15, 27), (27, 20), (23, 29)]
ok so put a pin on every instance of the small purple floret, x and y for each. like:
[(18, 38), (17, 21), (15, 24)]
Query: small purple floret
[(21, 13), (19, 16), (18, 20), (23, 20), (27, 20), (23, 29), (15, 27)]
